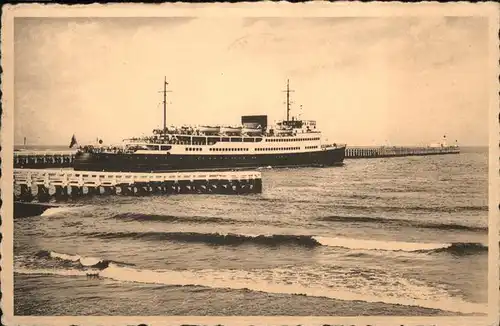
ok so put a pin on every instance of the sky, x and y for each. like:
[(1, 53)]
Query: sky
[(366, 81)]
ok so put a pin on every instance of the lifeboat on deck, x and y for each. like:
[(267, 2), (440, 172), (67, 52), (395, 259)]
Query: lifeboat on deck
[(251, 131), (230, 130)]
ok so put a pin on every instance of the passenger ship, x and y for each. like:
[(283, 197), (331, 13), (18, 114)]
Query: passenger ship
[(253, 144)]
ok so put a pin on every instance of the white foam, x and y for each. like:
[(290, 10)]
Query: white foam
[(85, 261), (53, 271), (54, 254), (378, 245), (350, 285), (404, 293), (57, 210), (89, 261)]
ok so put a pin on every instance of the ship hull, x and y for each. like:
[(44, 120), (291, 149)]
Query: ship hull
[(164, 163)]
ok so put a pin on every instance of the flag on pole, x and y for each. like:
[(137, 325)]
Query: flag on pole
[(73, 142)]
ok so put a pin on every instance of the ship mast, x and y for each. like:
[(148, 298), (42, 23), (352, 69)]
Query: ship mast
[(165, 103), (288, 90)]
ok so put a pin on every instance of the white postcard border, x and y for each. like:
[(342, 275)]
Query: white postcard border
[(262, 9)]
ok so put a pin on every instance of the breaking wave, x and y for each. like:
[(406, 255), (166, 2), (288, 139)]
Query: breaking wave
[(61, 209), (417, 247), (77, 260), (55, 210), (216, 238), (305, 241), (461, 248), (401, 222)]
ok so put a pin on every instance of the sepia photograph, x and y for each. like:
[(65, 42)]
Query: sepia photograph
[(251, 163)]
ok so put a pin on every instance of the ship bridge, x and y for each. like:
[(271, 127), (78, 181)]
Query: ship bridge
[(302, 125)]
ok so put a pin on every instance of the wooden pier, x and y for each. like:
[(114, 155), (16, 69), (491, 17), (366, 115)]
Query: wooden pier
[(378, 152), (44, 185)]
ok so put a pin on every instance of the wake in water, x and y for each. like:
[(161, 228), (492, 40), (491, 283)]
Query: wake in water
[(344, 284), (304, 241)]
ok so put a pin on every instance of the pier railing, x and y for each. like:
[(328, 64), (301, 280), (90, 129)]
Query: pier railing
[(61, 184), (96, 179)]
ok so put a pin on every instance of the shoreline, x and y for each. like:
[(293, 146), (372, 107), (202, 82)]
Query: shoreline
[(102, 297)]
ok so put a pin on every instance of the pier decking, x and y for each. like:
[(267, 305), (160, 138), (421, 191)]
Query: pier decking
[(45, 184)]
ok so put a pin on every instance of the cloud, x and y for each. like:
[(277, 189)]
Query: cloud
[(364, 79)]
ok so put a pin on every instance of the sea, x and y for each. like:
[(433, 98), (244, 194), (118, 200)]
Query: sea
[(390, 236)]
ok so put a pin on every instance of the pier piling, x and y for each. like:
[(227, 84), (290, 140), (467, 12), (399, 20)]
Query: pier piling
[(43, 195)]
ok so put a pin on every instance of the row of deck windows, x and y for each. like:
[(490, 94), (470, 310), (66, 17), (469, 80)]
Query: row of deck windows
[(291, 139), (311, 147), (198, 149), (241, 157), (278, 149), (224, 157), (229, 149)]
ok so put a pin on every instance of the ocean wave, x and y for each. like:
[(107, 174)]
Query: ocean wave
[(363, 244), (305, 241), (400, 291), (442, 209), (77, 260), (171, 218), (216, 238), (401, 222), (462, 248), (458, 248)]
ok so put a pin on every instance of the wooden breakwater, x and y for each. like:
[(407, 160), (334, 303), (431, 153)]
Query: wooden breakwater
[(393, 151), (45, 184)]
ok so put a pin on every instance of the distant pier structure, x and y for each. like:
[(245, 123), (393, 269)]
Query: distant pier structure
[(44, 159), (393, 151), (43, 185)]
